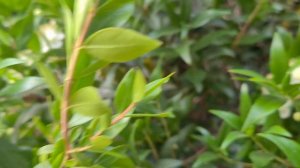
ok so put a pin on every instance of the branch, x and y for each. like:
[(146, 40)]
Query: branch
[(249, 21), (114, 121), (70, 77)]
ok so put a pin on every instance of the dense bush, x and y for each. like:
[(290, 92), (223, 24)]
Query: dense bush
[(223, 86)]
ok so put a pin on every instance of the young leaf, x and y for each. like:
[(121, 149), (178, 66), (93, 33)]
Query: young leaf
[(118, 45), (230, 118), (123, 95), (263, 106), (278, 59), (289, 147), (88, 102), (22, 85), (139, 86), (155, 85)]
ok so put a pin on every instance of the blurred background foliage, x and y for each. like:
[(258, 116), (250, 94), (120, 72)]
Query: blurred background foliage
[(202, 40)]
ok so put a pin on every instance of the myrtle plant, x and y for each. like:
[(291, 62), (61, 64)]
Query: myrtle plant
[(82, 123), (261, 134)]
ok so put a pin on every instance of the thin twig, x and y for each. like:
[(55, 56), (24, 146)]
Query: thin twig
[(152, 146), (123, 114), (81, 149), (114, 121), (249, 21), (70, 75)]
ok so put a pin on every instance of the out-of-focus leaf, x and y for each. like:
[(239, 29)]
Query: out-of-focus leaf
[(81, 8), (261, 158), (9, 62), (263, 106), (213, 38), (169, 163), (88, 102), (118, 45), (206, 16), (278, 130), (113, 13), (278, 59), (204, 159), (160, 115), (100, 142), (245, 102), (184, 51), (6, 38), (196, 77), (289, 147), (47, 149), (50, 79), (12, 157), (229, 117), (231, 137), (245, 72), (45, 164), (22, 85)]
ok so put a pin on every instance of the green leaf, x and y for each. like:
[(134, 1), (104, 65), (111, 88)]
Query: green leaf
[(81, 8), (245, 102), (113, 13), (169, 163), (118, 45), (115, 130), (50, 79), (204, 159), (154, 85), (204, 17), (139, 86), (160, 115), (231, 137), (44, 164), (260, 158), (278, 58), (78, 119), (185, 52), (9, 62), (123, 95), (263, 107), (246, 72), (278, 130), (88, 102), (230, 118), (100, 142), (47, 149), (289, 147), (6, 38), (21, 86), (69, 31), (12, 157)]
